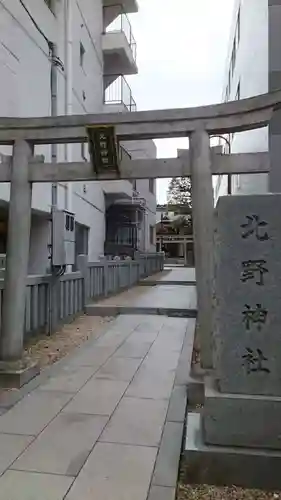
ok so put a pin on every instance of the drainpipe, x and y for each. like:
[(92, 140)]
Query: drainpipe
[(54, 112), (68, 51)]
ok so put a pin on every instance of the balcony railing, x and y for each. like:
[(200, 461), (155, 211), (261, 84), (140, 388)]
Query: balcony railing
[(119, 92), (120, 24)]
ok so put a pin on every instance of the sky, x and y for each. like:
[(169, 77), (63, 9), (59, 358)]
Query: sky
[(181, 54)]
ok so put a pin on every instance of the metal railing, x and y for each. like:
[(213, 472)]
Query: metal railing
[(119, 92), (121, 24), (46, 310)]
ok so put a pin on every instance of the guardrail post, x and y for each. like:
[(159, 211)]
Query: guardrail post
[(203, 223), (82, 264), (55, 285), (12, 332), (130, 273), (106, 271)]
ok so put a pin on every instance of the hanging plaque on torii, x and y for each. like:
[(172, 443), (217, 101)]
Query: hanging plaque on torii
[(103, 148)]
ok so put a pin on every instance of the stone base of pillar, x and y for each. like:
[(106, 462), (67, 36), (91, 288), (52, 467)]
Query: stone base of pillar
[(227, 466), (241, 419), (15, 374)]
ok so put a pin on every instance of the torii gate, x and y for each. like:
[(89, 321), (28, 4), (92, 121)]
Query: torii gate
[(196, 123)]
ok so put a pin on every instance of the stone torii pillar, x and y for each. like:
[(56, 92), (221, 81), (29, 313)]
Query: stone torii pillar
[(203, 231), (12, 332)]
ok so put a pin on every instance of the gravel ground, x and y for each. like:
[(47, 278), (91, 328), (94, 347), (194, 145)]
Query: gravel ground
[(205, 492), (46, 350)]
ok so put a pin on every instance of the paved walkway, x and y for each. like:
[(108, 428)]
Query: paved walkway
[(165, 293), (173, 275), (107, 424)]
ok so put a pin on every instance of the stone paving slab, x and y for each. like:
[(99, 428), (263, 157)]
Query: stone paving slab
[(136, 421), (17, 485), (10, 448), (173, 312), (164, 299), (181, 273), (33, 412), (64, 446), (162, 360), (183, 369), (170, 343), (71, 379), (175, 275), (115, 471), (94, 357), (177, 405), (119, 369), (166, 470), (145, 336), (168, 296), (152, 387), (131, 349), (97, 397)]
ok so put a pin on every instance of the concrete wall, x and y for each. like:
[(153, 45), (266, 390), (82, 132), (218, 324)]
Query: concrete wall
[(251, 73), (25, 91)]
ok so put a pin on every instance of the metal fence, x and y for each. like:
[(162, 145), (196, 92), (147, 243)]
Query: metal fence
[(51, 302)]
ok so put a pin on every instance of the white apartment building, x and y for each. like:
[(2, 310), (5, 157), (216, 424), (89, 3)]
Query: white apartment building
[(95, 48), (252, 68)]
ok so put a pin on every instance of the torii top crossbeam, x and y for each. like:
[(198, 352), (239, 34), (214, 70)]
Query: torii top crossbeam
[(236, 116)]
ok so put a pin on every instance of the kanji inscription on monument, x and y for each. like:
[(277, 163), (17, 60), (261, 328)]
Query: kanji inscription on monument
[(247, 326)]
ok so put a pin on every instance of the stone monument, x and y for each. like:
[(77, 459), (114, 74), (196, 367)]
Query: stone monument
[(238, 437)]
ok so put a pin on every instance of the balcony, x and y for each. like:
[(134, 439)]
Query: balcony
[(129, 6), (118, 43), (118, 96)]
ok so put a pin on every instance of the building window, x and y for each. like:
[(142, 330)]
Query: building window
[(82, 54), (151, 186)]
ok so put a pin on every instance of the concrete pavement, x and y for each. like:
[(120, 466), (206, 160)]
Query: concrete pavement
[(108, 424), (170, 276), (170, 293)]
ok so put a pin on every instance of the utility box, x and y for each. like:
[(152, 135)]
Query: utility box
[(63, 238)]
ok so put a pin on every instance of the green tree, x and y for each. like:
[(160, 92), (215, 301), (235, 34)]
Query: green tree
[(179, 191)]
